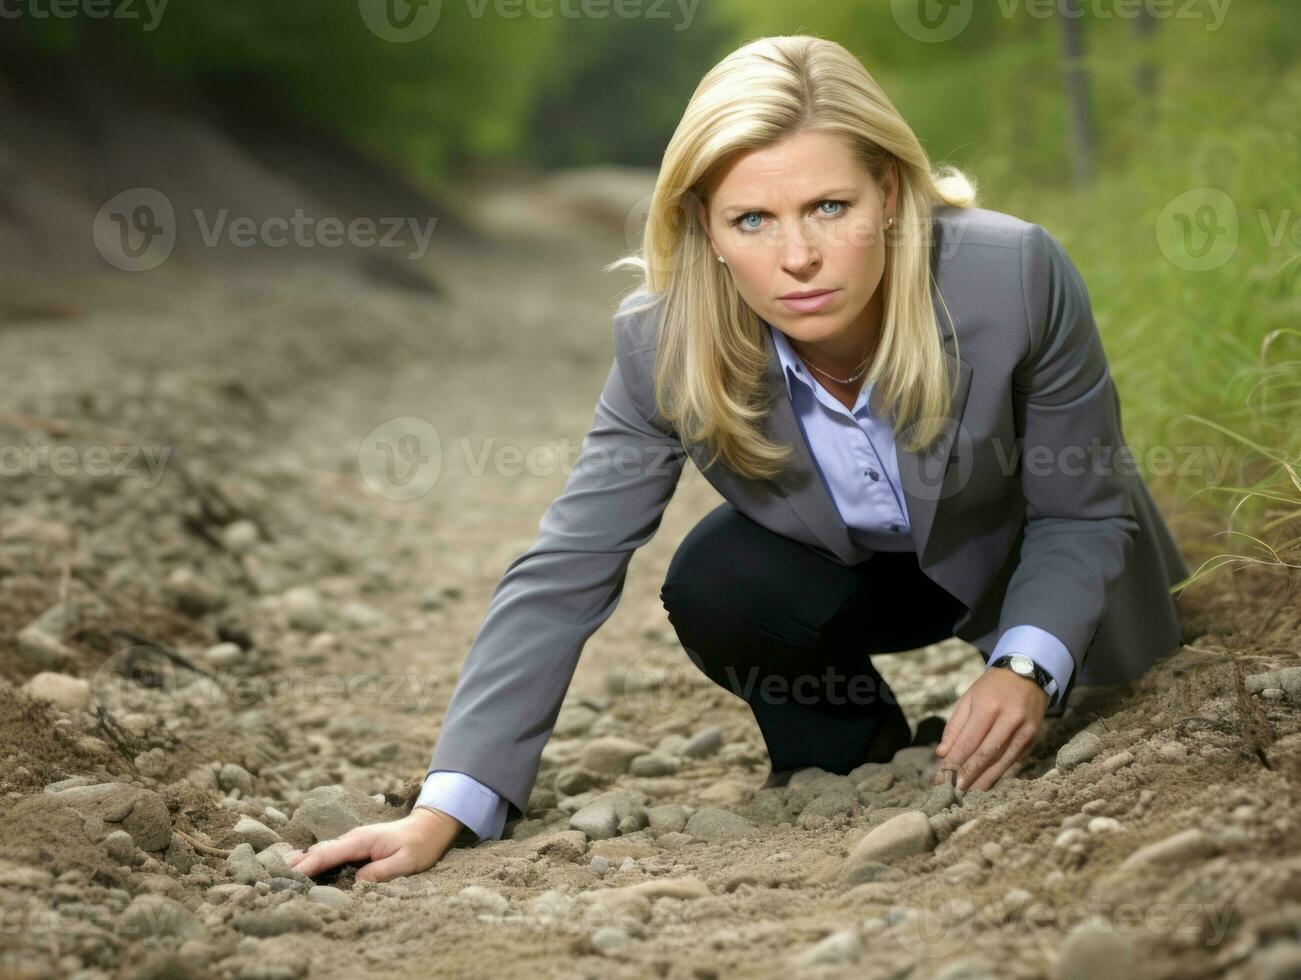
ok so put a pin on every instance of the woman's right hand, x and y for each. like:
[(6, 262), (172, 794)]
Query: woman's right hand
[(407, 846)]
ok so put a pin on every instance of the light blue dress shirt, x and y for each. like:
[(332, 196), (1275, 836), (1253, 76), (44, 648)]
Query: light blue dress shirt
[(854, 452)]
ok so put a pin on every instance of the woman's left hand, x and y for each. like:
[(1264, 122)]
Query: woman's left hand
[(993, 725)]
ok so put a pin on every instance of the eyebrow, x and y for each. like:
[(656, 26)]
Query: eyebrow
[(747, 208)]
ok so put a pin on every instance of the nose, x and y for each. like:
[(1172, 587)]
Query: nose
[(799, 252)]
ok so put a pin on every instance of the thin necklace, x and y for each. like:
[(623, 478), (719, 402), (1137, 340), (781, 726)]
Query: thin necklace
[(844, 381)]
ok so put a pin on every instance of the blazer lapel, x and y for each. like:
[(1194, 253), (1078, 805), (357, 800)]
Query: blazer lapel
[(926, 476), (922, 474)]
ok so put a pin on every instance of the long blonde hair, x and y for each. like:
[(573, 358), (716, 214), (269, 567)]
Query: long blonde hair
[(710, 360)]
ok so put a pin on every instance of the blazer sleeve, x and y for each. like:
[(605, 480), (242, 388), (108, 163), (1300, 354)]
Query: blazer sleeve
[(1080, 518), (557, 593)]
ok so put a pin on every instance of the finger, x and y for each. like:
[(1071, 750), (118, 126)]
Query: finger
[(990, 749), (1020, 738), (970, 738), (352, 846), (954, 725), (398, 863)]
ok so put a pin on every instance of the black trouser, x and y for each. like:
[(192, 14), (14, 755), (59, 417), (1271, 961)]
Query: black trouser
[(790, 632)]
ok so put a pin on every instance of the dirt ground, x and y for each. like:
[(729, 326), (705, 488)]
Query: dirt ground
[(247, 618)]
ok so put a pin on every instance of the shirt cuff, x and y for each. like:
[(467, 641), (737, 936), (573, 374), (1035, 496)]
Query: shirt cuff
[(1044, 649), (479, 808)]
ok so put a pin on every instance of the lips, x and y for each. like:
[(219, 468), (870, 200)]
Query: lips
[(808, 300)]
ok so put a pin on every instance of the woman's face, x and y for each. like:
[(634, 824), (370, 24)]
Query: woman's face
[(799, 216)]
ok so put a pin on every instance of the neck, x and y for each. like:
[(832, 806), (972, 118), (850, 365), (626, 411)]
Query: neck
[(845, 353)]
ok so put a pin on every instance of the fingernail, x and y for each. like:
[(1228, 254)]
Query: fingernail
[(962, 782)]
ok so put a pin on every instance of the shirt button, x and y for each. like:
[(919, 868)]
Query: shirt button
[(873, 474)]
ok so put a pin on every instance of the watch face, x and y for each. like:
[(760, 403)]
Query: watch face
[(1022, 664)]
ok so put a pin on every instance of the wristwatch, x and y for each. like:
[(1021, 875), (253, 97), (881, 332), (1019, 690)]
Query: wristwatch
[(1020, 664)]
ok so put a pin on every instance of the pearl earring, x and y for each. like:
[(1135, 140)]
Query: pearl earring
[(723, 260)]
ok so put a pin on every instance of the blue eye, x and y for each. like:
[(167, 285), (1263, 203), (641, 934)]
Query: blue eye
[(737, 222)]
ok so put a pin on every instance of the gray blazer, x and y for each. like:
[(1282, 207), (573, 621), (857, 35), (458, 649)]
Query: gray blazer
[(1064, 536)]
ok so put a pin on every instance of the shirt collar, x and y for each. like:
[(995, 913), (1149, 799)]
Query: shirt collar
[(792, 366), (790, 361)]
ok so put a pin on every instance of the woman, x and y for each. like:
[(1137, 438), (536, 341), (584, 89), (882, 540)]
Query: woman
[(904, 402)]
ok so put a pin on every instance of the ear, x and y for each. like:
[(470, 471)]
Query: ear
[(703, 217), (890, 184)]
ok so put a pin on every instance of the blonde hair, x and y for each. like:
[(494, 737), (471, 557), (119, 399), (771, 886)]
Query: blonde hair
[(710, 359)]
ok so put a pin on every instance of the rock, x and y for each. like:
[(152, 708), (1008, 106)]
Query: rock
[(710, 824), (1080, 749), (64, 691), (939, 798), (42, 648), (120, 847), (1289, 679), (327, 812), (901, 836), (840, 947), (1255, 683), (654, 764), (156, 916), (361, 615), (873, 777), (573, 780), (241, 536), (568, 846), (242, 865), (180, 855), (329, 896), (1278, 961), (609, 939), (575, 719), (919, 757), (597, 820), (254, 832), (1117, 761), (223, 655), (484, 899), (1193, 844), (1172, 752), (704, 743), (1103, 825), (232, 777), (670, 818), (13, 875), (274, 860), (290, 917), (191, 593), (228, 892), (304, 609), (1095, 948), (106, 807), (610, 755)]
